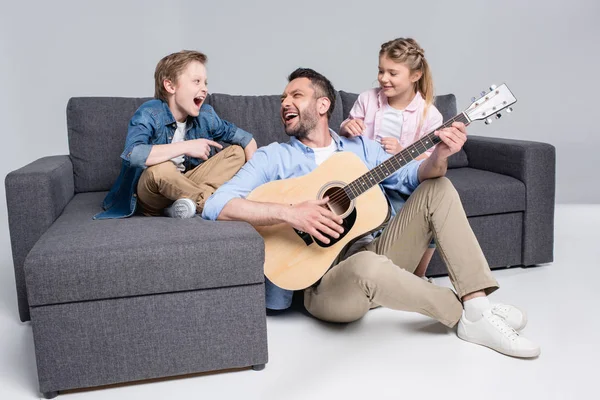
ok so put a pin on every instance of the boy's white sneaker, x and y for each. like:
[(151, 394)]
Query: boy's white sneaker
[(514, 316), (181, 208), (494, 332)]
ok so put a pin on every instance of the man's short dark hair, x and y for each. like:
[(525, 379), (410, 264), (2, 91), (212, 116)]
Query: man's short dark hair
[(322, 85)]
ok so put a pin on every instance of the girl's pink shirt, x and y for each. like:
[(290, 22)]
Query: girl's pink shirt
[(370, 105)]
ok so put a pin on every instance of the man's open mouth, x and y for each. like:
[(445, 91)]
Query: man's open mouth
[(288, 116)]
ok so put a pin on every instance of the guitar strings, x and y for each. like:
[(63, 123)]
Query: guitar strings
[(341, 194)]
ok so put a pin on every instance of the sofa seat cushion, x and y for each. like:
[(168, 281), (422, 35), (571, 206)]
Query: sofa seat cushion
[(484, 193), (80, 259)]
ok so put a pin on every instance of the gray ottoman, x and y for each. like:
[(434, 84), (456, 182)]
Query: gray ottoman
[(124, 300)]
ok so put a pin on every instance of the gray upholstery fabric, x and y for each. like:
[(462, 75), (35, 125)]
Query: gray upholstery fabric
[(35, 196), (446, 105), (97, 127), (261, 116), (82, 259), (500, 237), (96, 343), (534, 164), (348, 100), (484, 192)]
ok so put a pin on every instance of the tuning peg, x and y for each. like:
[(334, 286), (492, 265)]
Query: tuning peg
[(509, 110), (482, 93), (488, 121), (498, 116), (473, 99), (492, 88)]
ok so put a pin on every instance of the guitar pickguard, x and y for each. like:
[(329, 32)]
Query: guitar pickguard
[(347, 223)]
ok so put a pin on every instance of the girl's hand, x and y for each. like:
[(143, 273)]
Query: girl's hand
[(391, 145), (354, 127)]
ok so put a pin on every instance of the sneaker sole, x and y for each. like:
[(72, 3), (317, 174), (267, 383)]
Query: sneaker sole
[(181, 210), (524, 354)]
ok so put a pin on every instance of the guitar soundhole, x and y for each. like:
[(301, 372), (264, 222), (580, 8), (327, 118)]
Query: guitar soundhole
[(339, 202)]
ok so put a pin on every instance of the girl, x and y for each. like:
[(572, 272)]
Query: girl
[(400, 111)]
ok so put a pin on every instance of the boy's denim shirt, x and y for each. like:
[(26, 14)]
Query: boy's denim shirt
[(153, 123)]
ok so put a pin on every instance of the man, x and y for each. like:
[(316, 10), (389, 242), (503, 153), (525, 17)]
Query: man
[(376, 271)]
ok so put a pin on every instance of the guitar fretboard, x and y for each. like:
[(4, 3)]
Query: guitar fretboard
[(394, 163)]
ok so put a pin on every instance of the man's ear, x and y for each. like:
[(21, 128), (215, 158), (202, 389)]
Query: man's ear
[(323, 105), (169, 86)]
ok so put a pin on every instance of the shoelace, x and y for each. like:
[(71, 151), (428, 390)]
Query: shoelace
[(503, 327), (501, 311)]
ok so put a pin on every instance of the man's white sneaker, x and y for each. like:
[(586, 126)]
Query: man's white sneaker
[(494, 332), (514, 316), (181, 208)]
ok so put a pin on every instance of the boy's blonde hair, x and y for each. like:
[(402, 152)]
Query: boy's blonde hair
[(170, 67), (408, 52)]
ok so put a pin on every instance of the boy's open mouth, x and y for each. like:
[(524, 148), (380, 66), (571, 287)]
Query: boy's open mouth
[(198, 101)]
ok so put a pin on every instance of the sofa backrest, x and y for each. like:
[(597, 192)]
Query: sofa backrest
[(97, 127)]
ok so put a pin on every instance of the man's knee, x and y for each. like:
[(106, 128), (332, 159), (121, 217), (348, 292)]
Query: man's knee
[(439, 185), (363, 267)]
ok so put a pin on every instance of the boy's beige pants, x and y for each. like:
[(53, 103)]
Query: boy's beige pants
[(161, 184), (382, 274)]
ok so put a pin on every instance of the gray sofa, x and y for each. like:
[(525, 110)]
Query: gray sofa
[(123, 300)]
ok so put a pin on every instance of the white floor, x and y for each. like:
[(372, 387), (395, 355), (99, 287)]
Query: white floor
[(391, 354)]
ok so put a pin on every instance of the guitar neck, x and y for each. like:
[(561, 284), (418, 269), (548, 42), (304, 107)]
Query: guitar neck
[(394, 163)]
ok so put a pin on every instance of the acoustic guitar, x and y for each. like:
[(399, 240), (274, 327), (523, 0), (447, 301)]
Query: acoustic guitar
[(294, 259)]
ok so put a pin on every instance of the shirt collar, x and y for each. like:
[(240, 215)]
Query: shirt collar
[(169, 119), (294, 142)]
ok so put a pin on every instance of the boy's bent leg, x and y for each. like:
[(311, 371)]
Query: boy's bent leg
[(349, 289), (435, 208), (160, 185), (214, 172)]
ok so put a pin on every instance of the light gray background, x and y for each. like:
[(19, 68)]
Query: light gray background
[(547, 51)]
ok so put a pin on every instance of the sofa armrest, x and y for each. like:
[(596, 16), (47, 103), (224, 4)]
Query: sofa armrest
[(35, 196), (534, 164)]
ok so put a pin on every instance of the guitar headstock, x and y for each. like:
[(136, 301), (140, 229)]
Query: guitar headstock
[(491, 103)]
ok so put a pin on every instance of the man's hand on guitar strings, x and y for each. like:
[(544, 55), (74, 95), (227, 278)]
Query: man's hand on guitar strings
[(313, 218)]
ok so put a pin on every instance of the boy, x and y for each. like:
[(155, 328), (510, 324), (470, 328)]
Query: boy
[(169, 165)]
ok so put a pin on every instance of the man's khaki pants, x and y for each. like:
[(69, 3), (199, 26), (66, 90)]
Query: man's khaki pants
[(382, 274), (161, 184)]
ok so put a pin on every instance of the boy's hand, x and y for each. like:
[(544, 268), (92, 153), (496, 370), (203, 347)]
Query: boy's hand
[(354, 127), (200, 148)]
